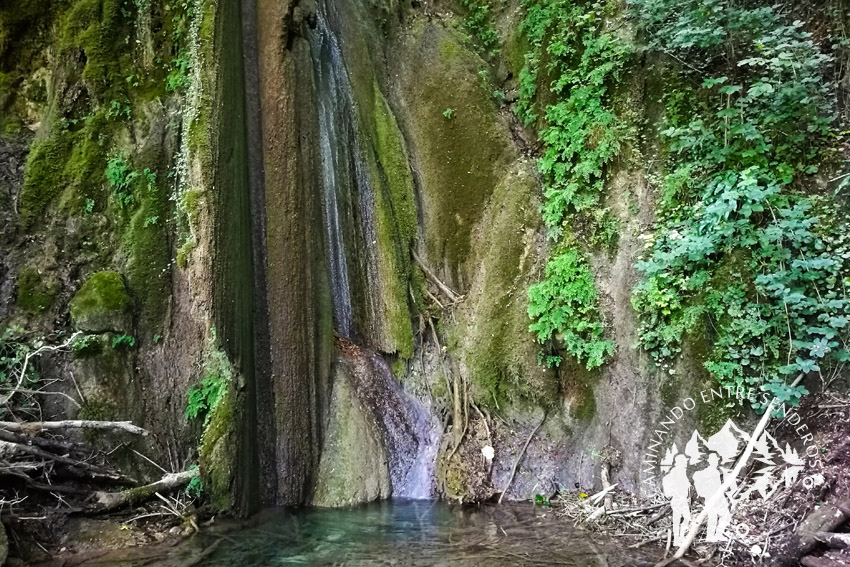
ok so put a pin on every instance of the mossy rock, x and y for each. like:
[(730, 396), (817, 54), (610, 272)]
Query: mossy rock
[(218, 453), (35, 292), (461, 147), (353, 467), (102, 304)]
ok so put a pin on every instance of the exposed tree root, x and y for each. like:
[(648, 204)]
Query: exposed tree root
[(519, 458)]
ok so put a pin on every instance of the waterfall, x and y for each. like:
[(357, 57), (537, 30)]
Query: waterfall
[(338, 150), (409, 429)]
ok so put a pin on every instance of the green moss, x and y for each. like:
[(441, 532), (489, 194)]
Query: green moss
[(149, 274), (583, 404), (102, 304), (392, 158), (84, 170), (43, 175), (353, 463), (99, 28), (461, 158), (35, 295), (218, 453), (456, 479), (218, 448), (578, 385), (191, 202), (67, 162), (184, 252), (97, 409), (495, 341)]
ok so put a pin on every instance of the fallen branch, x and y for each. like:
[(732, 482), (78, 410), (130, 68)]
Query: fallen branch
[(54, 445), (112, 500), (29, 356), (35, 427), (519, 458), (453, 297), (93, 471), (834, 540), (603, 493)]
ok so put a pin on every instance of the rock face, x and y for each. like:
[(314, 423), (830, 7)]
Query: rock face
[(4, 546), (323, 173), (354, 467)]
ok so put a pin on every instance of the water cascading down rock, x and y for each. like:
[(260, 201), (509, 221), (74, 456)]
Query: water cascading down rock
[(381, 441)]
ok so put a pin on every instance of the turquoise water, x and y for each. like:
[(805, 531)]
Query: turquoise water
[(393, 533)]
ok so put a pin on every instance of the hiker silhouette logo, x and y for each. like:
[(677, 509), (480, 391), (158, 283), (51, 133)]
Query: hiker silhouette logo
[(705, 469)]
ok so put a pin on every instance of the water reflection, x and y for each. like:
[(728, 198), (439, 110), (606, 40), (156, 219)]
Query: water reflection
[(394, 533)]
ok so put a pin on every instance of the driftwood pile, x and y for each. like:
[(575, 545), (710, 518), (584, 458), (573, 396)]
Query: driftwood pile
[(33, 458), (818, 531), (43, 463)]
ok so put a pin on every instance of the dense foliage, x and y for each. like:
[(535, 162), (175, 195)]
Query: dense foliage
[(746, 257), (564, 304), (742, 255), (572, 62)]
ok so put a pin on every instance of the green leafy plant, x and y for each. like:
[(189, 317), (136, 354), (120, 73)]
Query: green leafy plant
[(195, 488), (204, 397), (85, 345), (123, 341), (581, 135), (13, 352), (178, 77), (119, 110), (564, 306), (478, 23), (449, 113), (121, 176), (740, 253)]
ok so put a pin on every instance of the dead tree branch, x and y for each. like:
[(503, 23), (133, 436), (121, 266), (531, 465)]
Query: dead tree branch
[(519, 458), (35, 427), (112, 500)]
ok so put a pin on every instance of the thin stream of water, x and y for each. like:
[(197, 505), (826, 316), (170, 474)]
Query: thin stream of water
[(411, 433)]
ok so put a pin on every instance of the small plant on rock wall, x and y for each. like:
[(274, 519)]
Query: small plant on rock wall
[(204, 397), (121, 176), (581, 135), (564, 306), (124, 341), (195, 488)]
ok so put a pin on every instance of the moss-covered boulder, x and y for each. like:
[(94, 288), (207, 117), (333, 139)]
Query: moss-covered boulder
[(353, 467), (102, 304)]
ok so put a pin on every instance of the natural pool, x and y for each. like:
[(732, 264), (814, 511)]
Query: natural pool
[(392, 533)]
